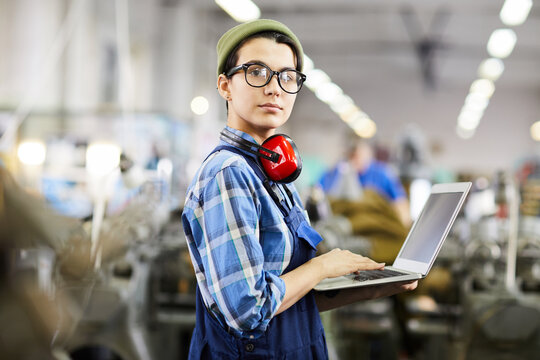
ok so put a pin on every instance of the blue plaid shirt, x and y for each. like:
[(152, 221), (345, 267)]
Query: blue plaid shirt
[(238, 241)]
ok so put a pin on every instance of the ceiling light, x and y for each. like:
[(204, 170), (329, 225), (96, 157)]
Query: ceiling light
[(535, 131), (349, 115), (240, 10), (342, 104), (491, 69), (484, 87), (469, 119), (366, 128), (515, 12), (476, 101), (315, 78), (102, 158), (359, 120), (328, 92), (501, 43), (199, 105), (31, 152), (308, 63), (464, 133)]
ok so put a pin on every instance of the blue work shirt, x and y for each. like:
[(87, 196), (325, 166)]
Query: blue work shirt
[(238, 241), (378, 176)]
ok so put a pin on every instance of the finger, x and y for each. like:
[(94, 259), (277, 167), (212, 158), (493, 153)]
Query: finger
[(367, 259), (371, 266), (410, 285)]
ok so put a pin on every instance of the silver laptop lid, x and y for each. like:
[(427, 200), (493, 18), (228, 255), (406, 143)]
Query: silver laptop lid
[(430, 229)]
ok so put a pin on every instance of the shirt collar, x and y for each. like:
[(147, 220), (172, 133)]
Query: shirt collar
[(244, 136)]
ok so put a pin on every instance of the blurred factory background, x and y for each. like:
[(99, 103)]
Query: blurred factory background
[(107, 107)]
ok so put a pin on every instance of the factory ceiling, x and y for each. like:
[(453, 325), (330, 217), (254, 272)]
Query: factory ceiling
[(436, 43)]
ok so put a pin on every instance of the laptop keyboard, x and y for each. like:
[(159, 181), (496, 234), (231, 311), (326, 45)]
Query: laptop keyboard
[(375, 274)]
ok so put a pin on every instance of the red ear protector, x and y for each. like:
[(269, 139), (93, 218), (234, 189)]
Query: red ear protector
[(278, 155)]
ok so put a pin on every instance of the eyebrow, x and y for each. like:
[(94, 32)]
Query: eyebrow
[(262, 62)]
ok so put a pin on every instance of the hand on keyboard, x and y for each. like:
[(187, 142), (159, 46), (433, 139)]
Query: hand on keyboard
[(375, 274)]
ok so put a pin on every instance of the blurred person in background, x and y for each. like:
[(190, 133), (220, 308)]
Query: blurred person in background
[(370, 195), (370, 173)]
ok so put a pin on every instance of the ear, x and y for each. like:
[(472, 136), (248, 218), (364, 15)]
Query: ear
[(223, 87)]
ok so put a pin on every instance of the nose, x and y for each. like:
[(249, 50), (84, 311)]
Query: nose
[(273, 88)]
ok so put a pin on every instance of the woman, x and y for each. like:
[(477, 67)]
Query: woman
[(251, 246)]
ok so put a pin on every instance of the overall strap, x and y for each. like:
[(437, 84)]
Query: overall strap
[(268, 185)]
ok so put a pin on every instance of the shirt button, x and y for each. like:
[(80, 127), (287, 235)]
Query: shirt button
[(250, 347)]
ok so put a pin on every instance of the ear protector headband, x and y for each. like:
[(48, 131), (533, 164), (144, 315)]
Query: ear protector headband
[(278, 155)]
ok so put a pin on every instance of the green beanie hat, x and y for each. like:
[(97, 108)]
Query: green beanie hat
[(234, 36)]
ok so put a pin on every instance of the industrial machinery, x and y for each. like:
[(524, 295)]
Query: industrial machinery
[(480, 301), (77, 300)]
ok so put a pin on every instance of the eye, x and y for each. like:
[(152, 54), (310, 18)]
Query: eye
[(287, 76), (257, 71)]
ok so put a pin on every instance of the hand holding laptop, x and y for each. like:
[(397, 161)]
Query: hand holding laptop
[(328, 300), (420, 248)]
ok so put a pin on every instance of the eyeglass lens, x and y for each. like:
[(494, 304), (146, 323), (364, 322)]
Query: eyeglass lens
[(259, 75)]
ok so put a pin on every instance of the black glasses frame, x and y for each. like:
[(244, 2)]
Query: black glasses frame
[(244, 67)]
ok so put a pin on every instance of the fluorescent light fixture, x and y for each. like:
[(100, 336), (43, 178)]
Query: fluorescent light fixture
[(308, 64), (535, 131), (199, 105), (365, 127), (484, 87), (349, 115), (465, 133), (102, 158), (501, 43), (359, 122), (327, 92), (342, 104), (315, 78), (469, 119), (240, 10), (476, 101), (491, 69), (31, 152), (515, 12)]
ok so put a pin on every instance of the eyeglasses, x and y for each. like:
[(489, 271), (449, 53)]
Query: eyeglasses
[(259, 75)]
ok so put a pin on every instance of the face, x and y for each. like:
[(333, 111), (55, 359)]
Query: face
[(259, 111), (361, 157)]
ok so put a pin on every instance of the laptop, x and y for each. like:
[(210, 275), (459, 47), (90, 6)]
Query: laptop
[(422, 245)]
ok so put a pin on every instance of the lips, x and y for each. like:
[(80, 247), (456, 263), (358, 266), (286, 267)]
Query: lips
[(270, 106)]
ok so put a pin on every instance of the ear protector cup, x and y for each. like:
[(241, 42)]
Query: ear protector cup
[(289, 164), (278, 155)]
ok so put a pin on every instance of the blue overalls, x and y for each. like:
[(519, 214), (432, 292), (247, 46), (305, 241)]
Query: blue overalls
[(296, 333)]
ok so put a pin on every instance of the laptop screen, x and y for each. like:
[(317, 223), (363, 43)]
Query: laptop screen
[(430, 227)]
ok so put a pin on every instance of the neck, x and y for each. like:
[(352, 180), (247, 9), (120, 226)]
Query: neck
[(260, 135)]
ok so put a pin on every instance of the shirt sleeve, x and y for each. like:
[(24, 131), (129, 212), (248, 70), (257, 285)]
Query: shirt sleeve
[(231, 255), (329, 179), (383, 179)]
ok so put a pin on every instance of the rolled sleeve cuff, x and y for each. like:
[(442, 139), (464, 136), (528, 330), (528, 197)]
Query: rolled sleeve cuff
[(258, 319), (278, 290)]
